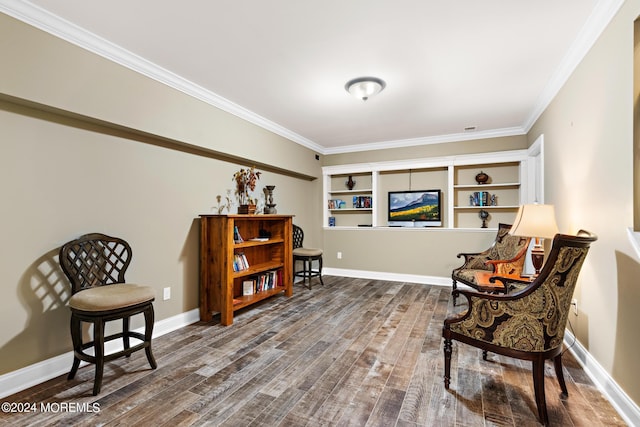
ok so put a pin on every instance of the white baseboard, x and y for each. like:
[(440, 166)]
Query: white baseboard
[(40, 372), (392, 277), (627, 408)]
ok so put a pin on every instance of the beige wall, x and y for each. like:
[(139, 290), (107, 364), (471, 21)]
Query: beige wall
[(61, 177), (588, 133)]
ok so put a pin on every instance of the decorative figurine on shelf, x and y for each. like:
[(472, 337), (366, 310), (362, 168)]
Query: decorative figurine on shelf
[(494, 200), (482, 178), (268, 192), (484, 215), (350, 183)]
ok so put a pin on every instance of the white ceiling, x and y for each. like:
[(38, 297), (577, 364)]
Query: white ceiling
[(448, 65)]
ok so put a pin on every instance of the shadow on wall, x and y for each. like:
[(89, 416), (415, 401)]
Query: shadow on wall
[(190, 260), (627, 345), (44, 292)]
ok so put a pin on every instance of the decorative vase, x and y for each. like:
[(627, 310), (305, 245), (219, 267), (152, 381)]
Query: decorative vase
[(350, 183), (482, 178), (270, 208)]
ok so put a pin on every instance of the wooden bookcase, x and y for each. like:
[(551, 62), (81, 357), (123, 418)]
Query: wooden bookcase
[(221, 288)]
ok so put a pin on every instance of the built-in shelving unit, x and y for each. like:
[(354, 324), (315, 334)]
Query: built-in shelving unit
[(453, 175)]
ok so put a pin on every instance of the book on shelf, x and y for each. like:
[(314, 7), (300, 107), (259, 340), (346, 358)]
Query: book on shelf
[(336, 204), (267, 280), (248, 287), (259, 239), (240, 262), (480, 198), (360, 202), (237, 238)]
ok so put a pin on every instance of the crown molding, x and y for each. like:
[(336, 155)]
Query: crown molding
[(439, 139), (65, 30), (600, 17)]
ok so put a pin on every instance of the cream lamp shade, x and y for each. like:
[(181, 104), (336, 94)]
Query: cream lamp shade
[(537, 221)]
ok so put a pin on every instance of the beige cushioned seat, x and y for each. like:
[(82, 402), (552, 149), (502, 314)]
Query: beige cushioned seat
[(111, 297), (307, 252)]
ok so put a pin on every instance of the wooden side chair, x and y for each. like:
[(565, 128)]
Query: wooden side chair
[(506, 256), (95, 265), (307, 256), (528, 324)]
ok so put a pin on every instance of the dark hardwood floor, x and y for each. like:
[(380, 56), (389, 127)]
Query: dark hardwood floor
[(352, 353)]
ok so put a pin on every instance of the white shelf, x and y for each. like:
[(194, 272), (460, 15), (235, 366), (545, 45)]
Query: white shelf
[(351, 210), (475, 186), (485, 207), (364, 191)]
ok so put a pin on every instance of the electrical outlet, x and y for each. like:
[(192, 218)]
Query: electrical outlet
[(574, 303), (166, 294), (339, 255)]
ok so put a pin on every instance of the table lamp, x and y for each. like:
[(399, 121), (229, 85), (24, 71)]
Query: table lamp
[(538, 222)]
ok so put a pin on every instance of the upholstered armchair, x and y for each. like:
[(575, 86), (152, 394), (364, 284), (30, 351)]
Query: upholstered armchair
[(527, 324), (505, 257)]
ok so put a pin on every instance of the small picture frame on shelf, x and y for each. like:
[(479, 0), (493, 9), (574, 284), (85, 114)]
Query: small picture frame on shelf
[(247, 287), (332, 221)]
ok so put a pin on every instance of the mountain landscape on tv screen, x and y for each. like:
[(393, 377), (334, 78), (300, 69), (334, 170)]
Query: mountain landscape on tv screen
[(424, 208)]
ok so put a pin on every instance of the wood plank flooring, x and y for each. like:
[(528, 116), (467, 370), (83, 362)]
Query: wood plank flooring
[(352, 353)]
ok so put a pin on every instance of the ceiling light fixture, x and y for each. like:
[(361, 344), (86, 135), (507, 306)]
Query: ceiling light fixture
[(365, 87)]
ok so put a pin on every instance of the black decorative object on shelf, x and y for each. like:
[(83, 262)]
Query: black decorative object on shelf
[(484, 215), (350, 183), (271, 207)]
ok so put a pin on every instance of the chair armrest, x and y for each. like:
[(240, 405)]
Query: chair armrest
[(473, 260), (511, 283), (508, 266), (475, 297)]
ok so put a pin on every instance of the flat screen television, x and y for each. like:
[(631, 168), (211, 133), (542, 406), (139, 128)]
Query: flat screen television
[(415, 208)]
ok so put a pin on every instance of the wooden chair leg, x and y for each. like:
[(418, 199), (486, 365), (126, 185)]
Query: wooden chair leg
[(447, 363), (538, 386), (484, 354), (98, 345), (557, 363), (76, 339), (125, 334), (320, 270), (148, 333), (454, 286), (307, 272)]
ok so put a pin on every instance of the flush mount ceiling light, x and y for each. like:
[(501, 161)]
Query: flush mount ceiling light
[(365, 87)]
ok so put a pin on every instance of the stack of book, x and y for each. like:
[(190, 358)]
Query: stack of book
[(480, 198), (262, 282), (240, 262), (361, 202), (237, 238)]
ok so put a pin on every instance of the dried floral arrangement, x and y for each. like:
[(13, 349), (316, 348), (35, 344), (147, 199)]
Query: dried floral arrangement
[(246, 180)]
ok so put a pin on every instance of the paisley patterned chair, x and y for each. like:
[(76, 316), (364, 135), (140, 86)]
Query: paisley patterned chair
[(505, 256), (528, 324)]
